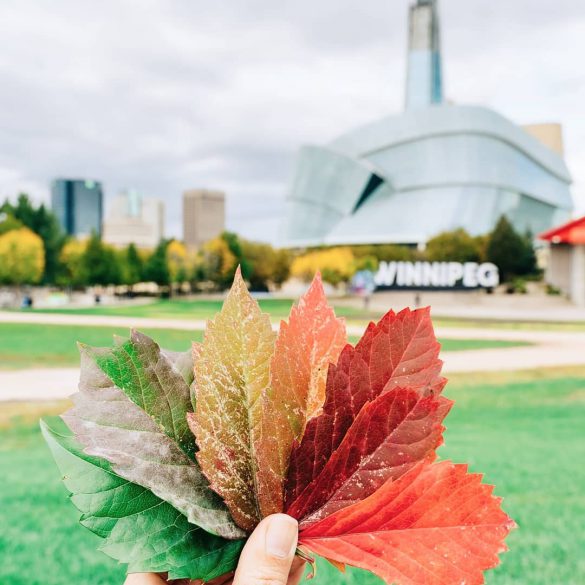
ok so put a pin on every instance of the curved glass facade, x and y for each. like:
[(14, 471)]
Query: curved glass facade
[(406, 178)]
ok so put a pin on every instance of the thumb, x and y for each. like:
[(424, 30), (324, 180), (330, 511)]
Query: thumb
[(269, 552)]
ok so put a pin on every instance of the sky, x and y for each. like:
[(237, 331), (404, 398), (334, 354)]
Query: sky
[(167, 95)]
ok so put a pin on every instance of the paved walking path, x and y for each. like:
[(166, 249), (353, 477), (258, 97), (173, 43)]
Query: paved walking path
[(549, 349), (199, 324)]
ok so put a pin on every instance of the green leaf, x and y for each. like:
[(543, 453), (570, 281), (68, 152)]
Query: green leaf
[(137, 527), (110, 426), (156, 381)]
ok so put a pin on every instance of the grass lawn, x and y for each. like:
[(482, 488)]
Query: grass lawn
[(25, 345), (525, 431)]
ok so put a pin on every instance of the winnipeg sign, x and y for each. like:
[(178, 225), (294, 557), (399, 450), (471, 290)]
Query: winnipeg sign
[(437, 275)]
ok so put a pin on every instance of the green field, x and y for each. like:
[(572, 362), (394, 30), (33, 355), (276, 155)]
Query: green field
[(526, 432), (25, 345)]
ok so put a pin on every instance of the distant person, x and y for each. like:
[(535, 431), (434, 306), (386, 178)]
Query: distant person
[(363, 285), (417, 300), (367, 297), (97, 299), (27, 302)]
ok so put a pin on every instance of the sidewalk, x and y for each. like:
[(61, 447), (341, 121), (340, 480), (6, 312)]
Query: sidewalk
[(549, 349)]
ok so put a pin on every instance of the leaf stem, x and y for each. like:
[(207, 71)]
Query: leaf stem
[(302, 554)]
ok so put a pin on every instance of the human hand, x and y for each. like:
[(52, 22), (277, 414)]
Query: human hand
[(267, 559)]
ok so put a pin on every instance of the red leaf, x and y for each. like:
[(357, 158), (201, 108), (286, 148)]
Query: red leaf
[(400, 351), (390, 435), (436, 525)]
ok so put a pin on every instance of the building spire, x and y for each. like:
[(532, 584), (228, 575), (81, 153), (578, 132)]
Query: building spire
[(424, 83)]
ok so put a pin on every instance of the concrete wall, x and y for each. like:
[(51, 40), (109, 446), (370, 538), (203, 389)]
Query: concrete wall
[(558, 270), (578, 275)]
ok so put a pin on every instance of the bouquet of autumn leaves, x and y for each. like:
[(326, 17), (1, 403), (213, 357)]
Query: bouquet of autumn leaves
[(174, 458)]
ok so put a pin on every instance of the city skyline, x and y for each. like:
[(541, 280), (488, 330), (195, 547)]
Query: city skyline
[(208, 104)]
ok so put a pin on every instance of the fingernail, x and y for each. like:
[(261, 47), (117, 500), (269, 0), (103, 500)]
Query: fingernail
[(281, 536)]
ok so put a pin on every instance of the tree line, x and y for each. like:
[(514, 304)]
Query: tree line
[(513, 253), (34, 250)]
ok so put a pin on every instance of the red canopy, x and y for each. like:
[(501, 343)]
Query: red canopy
[(570, 233)]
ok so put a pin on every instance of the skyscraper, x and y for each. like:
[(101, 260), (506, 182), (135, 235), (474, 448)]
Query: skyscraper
[(78, 205), (134, 220), (424, 84), (203, 216)]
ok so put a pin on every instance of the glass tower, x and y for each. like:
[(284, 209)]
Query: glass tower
[(78, 205), (424, 84)]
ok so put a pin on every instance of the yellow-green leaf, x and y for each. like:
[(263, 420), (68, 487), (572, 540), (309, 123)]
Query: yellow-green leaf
[(231, 378)]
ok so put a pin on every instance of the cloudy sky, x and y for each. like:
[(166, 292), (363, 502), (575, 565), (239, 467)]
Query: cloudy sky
[(164, 95)]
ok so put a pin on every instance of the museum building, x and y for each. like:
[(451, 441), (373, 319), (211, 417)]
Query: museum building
[(433, 168)]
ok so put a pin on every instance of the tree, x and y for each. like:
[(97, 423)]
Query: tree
[(53, 237), (385, 252), (337, 265), (22, 257), (71, 267), (235, 246), (282, 264), (133, 266), (512, 253), (369, 263), (261, 261), (529, 262), (218, 263), (177, 261), (44, 223), (453, 246), (100, 263), (156, 268), (8, 223)]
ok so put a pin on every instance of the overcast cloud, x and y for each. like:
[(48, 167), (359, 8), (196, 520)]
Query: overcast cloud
[(164, 95)]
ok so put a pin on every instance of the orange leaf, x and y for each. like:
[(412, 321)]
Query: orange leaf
[(306, 345)]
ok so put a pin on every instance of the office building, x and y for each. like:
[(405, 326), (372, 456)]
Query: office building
[(203, 216), (78, 206), (133, 219), (436, 167)]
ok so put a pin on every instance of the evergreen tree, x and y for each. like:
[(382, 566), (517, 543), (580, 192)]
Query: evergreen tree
[(47, 227), (100, 264), (134, 266), (156, 268), (529, 263), (510, 252)]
